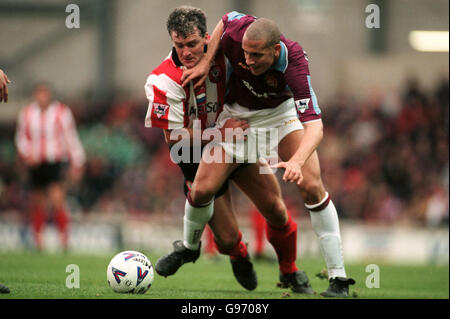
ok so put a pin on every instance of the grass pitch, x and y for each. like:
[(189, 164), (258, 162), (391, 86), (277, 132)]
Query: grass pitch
[(43, 276)]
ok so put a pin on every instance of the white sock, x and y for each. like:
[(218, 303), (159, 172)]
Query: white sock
[(326, 226), (194, 222)]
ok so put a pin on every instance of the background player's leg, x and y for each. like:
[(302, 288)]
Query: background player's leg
[(61, 215), (258, 223), (208, 237), (38, 215)]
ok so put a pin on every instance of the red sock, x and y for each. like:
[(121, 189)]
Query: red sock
[(284, 241), (62, 222), (259, 226), (239, 250), (38, 218)]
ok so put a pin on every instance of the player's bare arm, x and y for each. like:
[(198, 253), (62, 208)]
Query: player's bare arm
[(312, 136), (4, 81), (200, 71)]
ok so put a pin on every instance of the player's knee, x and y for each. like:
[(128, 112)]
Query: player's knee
[(312, 190), (201, 195), (276, 213), (226, 241)]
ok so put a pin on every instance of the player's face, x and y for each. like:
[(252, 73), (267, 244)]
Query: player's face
[(258, 56), (190, 50), (42, 95)]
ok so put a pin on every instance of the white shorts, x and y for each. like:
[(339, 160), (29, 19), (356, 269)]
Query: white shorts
[(267, 128)]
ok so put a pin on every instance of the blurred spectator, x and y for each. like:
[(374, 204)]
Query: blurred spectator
[(47, 139)]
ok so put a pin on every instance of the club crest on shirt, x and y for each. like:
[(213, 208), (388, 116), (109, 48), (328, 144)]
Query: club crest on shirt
[(160, 109), (302, 105), (271, 80), (215, 74)]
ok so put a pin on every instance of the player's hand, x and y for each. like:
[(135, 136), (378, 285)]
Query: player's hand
[(4, 81), (236, 128), (75, 174), (30, 161), (197, 74), (235, 123), (292, 173)]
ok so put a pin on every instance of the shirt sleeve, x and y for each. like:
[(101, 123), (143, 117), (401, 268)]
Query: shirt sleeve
[(298, 79), (22, 139), (231, 16), (166, 103), (234, 23), (77, 154)]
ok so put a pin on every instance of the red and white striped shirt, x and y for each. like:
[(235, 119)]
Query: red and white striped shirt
[(49, 135), (173, 107)]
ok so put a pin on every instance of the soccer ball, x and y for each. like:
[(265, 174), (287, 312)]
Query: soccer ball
[(130, 272)]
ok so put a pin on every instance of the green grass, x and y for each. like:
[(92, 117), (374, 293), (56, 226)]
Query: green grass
[(32, 275)]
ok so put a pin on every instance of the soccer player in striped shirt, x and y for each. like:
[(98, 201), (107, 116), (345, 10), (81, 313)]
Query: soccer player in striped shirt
[(269, 71), (46, 140)]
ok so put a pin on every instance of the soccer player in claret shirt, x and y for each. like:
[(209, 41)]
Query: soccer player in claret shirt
[(268, 72), (174, 109), (46, 140)]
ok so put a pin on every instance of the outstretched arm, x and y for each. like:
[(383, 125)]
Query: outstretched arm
[(4, 81), (200, 71), (310, 141)]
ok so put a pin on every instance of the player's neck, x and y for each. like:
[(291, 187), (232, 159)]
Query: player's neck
[(44, 106)]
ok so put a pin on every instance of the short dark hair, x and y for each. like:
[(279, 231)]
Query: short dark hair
[(183, 21), (264, 29)]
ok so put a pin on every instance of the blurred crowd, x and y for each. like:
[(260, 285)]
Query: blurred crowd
[(384, 160)]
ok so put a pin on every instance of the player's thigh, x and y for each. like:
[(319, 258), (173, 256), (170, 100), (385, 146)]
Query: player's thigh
[(311, 169), (57, 194), (263, 190), (37, 197), (289, 144), (311, 187), (223, 223), (210, 177)]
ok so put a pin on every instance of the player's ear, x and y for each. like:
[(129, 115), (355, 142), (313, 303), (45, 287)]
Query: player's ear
[(207, 39), (277, 49)]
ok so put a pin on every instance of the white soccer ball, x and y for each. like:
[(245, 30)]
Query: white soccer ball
[(130, 272)]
